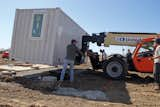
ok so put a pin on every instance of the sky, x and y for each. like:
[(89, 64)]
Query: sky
[(92, 15)]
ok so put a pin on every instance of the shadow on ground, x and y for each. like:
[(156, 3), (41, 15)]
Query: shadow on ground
[(135, 78), (115, 90)]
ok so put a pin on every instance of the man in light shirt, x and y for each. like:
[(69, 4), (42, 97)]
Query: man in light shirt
[(156, 59)]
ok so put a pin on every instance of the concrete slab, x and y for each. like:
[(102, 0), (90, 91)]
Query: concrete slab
[(27, 71), (23, 68)]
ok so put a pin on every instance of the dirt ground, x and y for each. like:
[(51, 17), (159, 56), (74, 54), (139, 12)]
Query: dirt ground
[(135, 91)]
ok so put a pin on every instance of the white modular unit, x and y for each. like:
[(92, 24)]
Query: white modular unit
[(41, 35)]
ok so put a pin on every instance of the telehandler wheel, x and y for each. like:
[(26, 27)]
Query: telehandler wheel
[(115, 68)]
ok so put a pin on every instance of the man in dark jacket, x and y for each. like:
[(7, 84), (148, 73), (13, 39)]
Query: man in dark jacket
[(71, 52)]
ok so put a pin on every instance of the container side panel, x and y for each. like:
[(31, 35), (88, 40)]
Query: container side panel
[(67, 30)]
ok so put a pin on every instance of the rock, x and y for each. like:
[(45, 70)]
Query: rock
[(6, 73), (47, 82), (49, 78), (35, 67), (6, 78), (13, 72)]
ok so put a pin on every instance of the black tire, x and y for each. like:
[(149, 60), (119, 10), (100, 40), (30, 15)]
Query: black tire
[(115, 68)]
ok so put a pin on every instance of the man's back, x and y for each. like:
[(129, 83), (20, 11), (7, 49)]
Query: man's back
[(71, 52)]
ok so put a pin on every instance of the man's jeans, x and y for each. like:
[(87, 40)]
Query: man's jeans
[(156, 73), (71, 64)]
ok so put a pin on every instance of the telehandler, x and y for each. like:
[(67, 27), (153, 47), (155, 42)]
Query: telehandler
[(116, 66)]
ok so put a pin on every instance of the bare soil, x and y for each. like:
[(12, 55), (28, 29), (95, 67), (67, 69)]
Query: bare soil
[(135, 91)]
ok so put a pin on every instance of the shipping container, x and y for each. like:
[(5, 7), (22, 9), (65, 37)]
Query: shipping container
[(41, 35)]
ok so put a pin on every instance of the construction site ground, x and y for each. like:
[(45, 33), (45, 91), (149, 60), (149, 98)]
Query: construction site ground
[(135, 91)]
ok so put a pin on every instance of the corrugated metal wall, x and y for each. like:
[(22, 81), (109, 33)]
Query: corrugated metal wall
[(57, 31), (67, 30)]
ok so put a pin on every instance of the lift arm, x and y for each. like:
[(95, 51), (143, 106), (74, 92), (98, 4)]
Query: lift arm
[(115, 38), (126, 38)]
